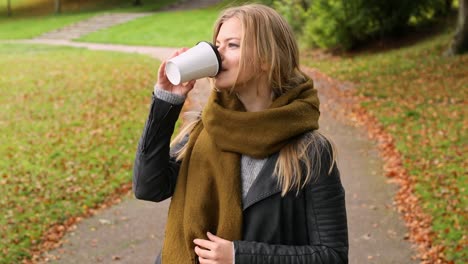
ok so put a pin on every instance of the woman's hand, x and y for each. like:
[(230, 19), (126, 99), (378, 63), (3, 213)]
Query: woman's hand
[(165, 84), (214, 251)]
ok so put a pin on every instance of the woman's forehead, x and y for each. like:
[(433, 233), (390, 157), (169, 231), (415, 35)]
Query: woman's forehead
[(230, 29)]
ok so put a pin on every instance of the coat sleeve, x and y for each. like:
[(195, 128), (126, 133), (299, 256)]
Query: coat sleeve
[(326, 227), (155, 172)]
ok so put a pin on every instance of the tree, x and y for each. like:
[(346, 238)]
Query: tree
[(9, 7), (58, 6), (460, 40), (137, 3)]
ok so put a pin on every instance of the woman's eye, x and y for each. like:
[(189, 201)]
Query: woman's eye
[(233, 45)]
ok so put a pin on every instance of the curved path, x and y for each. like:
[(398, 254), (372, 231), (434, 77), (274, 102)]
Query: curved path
[(132, 231)]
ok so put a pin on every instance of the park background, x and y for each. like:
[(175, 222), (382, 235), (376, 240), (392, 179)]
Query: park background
[(70, 118)]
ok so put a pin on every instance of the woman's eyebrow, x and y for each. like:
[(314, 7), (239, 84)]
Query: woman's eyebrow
[(228, 39)]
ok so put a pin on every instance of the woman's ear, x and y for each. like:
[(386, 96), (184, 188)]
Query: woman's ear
[(265, 67)]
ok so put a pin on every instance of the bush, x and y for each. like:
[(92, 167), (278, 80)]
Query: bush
[(294, 12), (347, 23), (336, 23)]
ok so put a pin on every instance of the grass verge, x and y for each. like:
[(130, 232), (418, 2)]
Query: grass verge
[(30, 27), (420, 98), (34, 18), (168, 29), (28, 8), (70, 122)]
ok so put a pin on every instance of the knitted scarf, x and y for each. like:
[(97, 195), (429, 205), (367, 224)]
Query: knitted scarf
[(207, 195)]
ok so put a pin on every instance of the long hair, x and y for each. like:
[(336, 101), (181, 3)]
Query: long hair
[(269, 41)]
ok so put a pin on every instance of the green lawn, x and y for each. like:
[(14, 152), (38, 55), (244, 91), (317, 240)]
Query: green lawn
[(420, 98), (22, 8), (169, 29), (172, 29), (29, 27), (31, 21), (69, 124)]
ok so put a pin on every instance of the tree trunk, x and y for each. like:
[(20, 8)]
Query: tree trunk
[(58, 7), (460, 40), (9, 7)]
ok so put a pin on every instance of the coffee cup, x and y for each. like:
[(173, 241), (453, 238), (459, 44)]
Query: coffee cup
[(202, 60)]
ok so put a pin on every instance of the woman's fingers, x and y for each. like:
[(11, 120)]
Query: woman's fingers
[(204, 243), (214, 251), (161, 72), (204, 253), (214, 238), (163, 82), (205, 261), (177, 53), (189, 85), (174, 54)]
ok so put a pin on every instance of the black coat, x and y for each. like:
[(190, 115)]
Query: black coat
[(309, 227)]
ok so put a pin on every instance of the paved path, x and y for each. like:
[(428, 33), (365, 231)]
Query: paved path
[(90, 25), (159, 53), (132, 231)]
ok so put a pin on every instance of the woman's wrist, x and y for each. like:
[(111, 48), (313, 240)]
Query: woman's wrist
[(167, 96)]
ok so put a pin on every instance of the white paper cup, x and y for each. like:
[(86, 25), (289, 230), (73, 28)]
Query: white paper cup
[(202, 60)]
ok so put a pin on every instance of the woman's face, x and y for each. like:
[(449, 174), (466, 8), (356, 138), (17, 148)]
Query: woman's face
[(228, 42)]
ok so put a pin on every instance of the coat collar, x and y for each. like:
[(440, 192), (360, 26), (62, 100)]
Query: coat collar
[(265, 185)]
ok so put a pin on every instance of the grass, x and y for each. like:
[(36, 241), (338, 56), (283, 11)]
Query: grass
[(171, 29), (168, 29), (28, 8), (33, 18), (30, 27), (69, 124), (420, 98)]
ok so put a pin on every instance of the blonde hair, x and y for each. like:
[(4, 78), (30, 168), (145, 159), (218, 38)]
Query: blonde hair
[(275, 46), (267, 40)]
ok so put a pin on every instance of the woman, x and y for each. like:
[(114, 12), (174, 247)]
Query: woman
[(251, 181)]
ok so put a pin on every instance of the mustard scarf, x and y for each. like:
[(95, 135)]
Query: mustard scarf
[(207, 195)]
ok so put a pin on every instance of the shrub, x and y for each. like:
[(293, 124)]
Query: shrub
[(294, 12), (336, 23), (347, 23)]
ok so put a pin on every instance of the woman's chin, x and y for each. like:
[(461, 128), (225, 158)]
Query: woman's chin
[(222, 86)]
